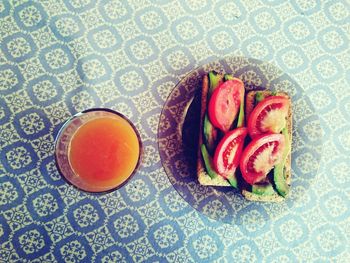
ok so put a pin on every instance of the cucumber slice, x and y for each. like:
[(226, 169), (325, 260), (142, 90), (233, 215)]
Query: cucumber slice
[(208, 162), (279, 177), (228, 77), (209, 131), (210, 134), (259, 96), (214, 80), (233, 181), (240, 121), (263, 189)]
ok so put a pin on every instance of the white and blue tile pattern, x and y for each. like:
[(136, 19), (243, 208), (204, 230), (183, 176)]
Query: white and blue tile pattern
[(59, 57)]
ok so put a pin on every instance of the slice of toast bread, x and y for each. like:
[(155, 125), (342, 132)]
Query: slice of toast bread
[(250, 103), (250, 100), (203, 177)]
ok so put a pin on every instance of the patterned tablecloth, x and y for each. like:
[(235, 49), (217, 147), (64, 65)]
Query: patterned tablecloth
[(60, 57)]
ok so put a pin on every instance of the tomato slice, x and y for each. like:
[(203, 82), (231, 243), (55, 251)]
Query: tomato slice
[(269, 116), (228, 152), (260, 156), (224, 103)]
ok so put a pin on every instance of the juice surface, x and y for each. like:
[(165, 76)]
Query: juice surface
[(104, 151)]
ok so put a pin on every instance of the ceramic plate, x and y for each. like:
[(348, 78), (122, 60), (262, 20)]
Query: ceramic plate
[(178, 136)]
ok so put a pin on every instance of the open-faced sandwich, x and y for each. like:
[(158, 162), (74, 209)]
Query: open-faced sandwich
[(244, 139)]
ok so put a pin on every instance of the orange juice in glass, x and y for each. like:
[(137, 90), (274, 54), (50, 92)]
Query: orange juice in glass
[(98, 150)]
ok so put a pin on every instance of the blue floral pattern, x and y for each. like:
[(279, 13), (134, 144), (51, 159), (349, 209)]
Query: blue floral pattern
[(73, 251), (30, 16), (9, 193), (18, 47), (31, 242), (61, 57)]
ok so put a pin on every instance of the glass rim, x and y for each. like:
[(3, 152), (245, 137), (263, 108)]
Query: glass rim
[(68, 122)]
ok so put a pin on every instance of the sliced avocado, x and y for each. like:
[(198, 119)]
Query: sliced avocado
[(280, 181), (263, 189), (210, 134), (259, 96), (240, 121), (228, 77), (279, 177), (208, 162), (233, 181), (214, 80)]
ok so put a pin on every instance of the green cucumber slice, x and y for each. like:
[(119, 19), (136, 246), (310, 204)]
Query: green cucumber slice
[(240, 121), (208, 162), (210, 134), (233, 181), (263, 189), (228, 77), (259, 96), (214, 80), (278, 174)]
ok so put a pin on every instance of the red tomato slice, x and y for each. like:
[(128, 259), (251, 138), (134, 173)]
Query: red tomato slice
[(228, 151), (269, 116), (261, 154), (224, 103)]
